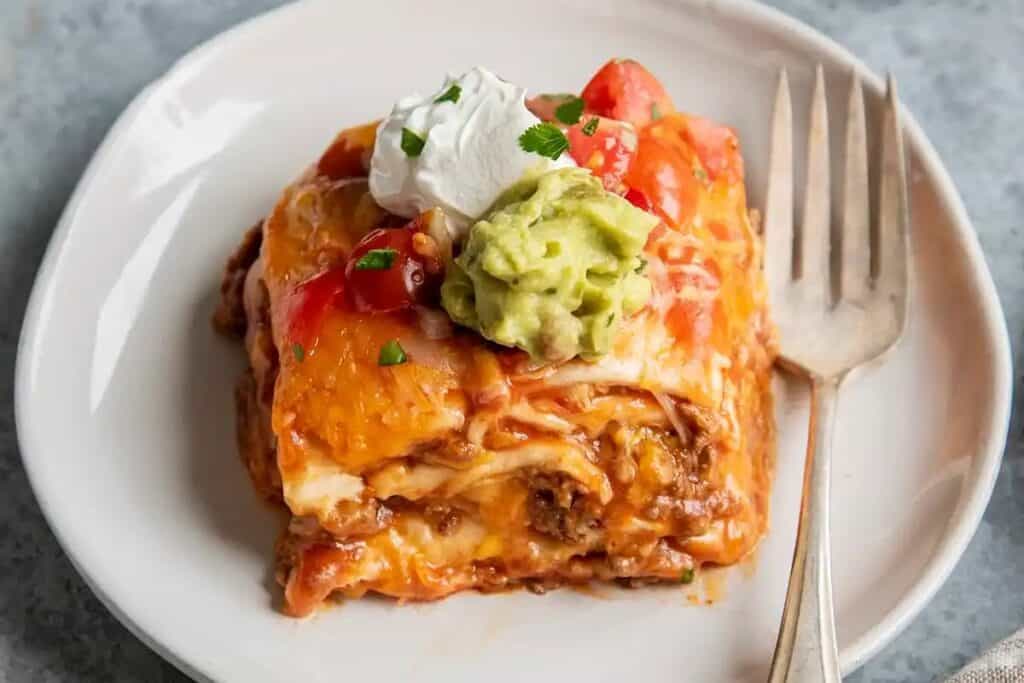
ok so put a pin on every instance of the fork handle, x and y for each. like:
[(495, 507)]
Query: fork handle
[(806, 650)]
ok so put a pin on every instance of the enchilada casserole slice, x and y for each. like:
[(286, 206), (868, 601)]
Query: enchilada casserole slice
[(417, 458)]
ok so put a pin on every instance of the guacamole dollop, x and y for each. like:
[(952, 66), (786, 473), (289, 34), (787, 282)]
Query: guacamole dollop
[(553, 268)]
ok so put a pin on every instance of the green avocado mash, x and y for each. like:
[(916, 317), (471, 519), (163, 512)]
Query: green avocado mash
[(553, 268)]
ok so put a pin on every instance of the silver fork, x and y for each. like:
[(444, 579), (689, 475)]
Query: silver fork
[(839, 298)]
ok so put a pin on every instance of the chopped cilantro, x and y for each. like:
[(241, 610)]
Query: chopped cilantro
[(642, 266), (391, 353), (590, 127), (376, 259), (570, 111), (450, 95), (412, 144), (655, 111), (700, 175), (544, 139), (298, 352), (686, 576)]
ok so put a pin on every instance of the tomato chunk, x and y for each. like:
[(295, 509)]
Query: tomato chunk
[(691, 322), (543, 106), (717, 148), (398, 273), (390, 269), (664, 174), (608, 151), (691, 318), (623, 89), (310, 302), (638, 199)]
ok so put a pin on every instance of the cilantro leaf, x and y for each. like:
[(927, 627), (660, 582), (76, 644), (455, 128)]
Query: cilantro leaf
[(570, 111), (700, 175), (544, 139), (686, 576), (376, 259), (412, 144), (298, 352), (590, 127), (391, 353), (655, 111), (450, 95)]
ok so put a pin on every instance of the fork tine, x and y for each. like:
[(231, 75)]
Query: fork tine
[(813, 263), (893, 208), (855, 238), (778, 219)]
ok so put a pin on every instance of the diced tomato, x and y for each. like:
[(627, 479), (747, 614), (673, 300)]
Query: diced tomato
[(717, 148), (638, 199), (608, 152), (692, 318), (691, 321), (664, 174), (311, 301), (412, 277), (544, 106), (349, 153), (623, 89)]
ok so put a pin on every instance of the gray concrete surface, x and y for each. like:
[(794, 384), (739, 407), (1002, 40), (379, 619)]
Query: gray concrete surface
[(68, 67)]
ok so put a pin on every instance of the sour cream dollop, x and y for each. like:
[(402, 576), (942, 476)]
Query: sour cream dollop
[(471, 152)]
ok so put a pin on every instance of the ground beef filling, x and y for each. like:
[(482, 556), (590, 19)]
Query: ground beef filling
[(668, 468), (559, 507)]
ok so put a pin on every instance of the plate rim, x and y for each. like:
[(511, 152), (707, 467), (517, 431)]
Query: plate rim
[(970, 507)]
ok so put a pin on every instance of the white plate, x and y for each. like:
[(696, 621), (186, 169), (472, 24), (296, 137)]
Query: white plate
[(124, 392)]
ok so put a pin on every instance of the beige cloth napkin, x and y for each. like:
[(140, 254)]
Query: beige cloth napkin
[(1004, 663)]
